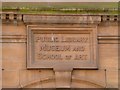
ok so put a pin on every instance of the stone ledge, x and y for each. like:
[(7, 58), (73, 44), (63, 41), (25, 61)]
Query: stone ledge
[(23, 39), (59, 19)]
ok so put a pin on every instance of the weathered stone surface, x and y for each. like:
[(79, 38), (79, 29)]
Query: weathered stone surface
[(43, 78), (14, 51), (61, 19), (10, 79), (15, 55), (12, 29), (112, 78), (63, 79), (108, 56), (88, 78), (108, 29), (60, 43)]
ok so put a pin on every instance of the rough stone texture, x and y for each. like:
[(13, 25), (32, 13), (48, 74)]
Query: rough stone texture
[(13, 29), (108, 29), (37, 78), (108, 60), (16, 56), (89, 78), (63, 79), (61, 19), (87, 40), (15, 73), (10, 79), (112, 78)]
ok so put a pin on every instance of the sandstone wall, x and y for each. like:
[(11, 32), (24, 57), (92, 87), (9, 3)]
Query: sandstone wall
[(16, 75)]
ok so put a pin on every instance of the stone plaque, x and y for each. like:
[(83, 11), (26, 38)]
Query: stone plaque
[(62, 48)]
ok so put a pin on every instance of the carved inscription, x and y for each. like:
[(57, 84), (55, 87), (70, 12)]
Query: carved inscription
[(62, 46)]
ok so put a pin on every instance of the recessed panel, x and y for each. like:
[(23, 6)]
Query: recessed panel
[(62, 48)]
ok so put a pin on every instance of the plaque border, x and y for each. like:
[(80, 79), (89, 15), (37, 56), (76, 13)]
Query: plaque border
[(30, 61)]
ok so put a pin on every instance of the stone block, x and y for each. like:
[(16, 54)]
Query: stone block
[(108, 29), (10, 79), (12, 29), (108, 56), (88, 79), (46, 84), (13, 65), (112, 78), (14, 51), (63, 79), (31, 77)]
